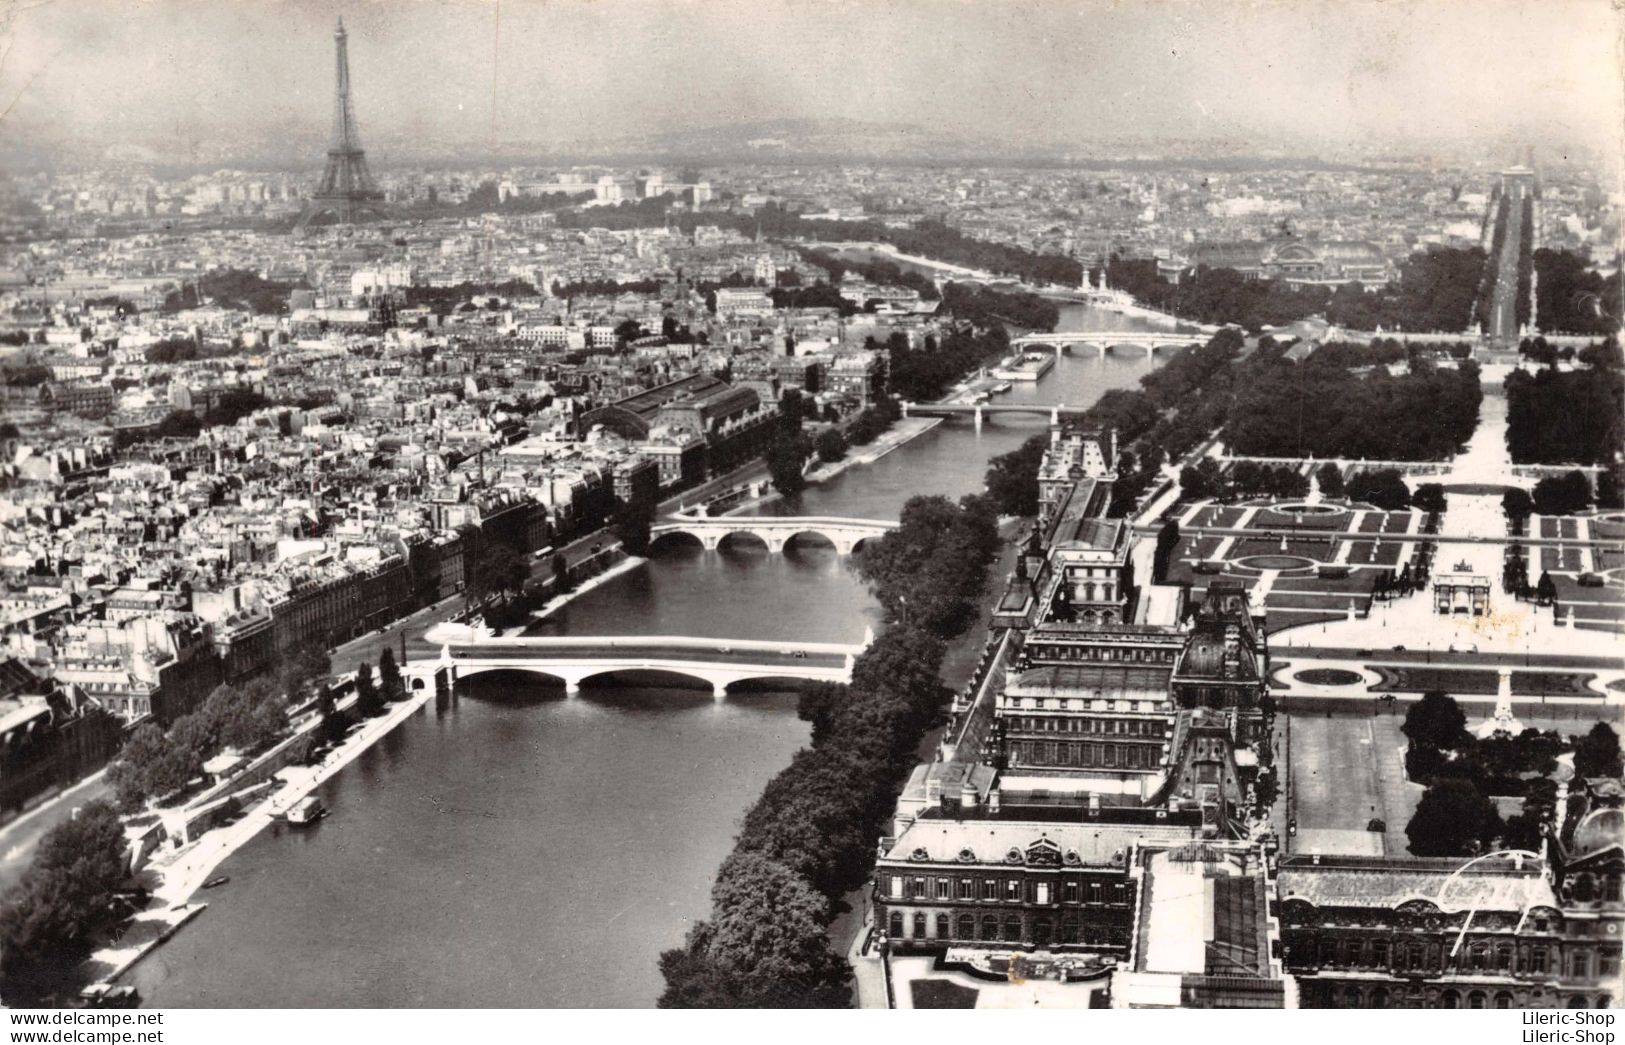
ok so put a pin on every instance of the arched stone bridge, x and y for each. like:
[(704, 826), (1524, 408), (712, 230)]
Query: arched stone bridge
[(574, 659), (1104, 341), (776, 531), (977, 410)]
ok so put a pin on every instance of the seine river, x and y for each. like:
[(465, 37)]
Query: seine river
[(520, 849)]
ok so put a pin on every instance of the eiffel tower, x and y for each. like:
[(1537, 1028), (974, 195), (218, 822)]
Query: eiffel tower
[(346, 190)]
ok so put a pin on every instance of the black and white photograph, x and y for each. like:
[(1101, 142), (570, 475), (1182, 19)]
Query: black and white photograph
[(811, 504)]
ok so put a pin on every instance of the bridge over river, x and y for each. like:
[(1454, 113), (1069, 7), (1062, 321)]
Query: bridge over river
[(1054, 411), (775, 531), (1103, 341), (574, 659)]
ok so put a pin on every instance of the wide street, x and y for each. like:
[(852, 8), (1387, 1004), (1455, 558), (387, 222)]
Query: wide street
[(1348, 768)]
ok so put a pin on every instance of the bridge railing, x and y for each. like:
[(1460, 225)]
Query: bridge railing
[(541, 643), (775, 522)]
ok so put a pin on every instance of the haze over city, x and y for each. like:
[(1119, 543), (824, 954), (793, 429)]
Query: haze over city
[(185, 81)]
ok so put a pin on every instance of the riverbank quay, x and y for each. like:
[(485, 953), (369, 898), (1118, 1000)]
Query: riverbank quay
[(559, 601), (807, 843), (963, 663), (176, 875), (902, 432)]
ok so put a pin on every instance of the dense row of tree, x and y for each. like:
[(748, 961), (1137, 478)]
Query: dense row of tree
[(1321, 409), (1573, 298), (1604, 352), (1207, 478), (818, 295), (442, 300), (1456, 815), (233, 289), (918, 570), (989, 308), (878, 270), (1176, 406), (1214, 295), (810, 838), (923, 374), (1565, 417), (1526, 267), (155, 762), (1484, 301), (931, 239), (1435, 291)]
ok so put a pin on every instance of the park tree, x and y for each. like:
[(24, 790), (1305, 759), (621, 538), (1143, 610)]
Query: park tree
[(1163, 556), (153, 764), (367, 700), (786, 461), (1012, 478), (1518, 506), (1202, 480), (1384, 487), (1429, 497), (1436, 721), (628, 330), (1330, 478), (765, 946), (49, 919), (499, 571), (631, 523), (831, 445), (1545, 589), (246, 717), (1266, 790), (1453, 818), (561, 574), (1562, 494), (308, 665), (1524, 830), (1611, 485), (1597, 752), (333, 723), (390, 682)]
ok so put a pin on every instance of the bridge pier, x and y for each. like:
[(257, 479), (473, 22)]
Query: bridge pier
[(978, 419), (906, 405), (719, 691)]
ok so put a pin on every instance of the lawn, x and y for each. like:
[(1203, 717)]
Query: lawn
[(1269, 519), (942, 994), (1396, 522), (1356, 583), (1276, 619), (1313, 601), (1320, 551), (1367, 553)]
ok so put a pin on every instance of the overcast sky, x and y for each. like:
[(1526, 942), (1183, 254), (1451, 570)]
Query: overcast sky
[(1284, 74)]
